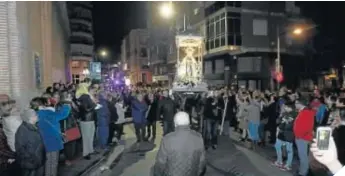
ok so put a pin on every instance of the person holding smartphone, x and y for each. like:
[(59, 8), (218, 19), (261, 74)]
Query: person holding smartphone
[(328, 157)]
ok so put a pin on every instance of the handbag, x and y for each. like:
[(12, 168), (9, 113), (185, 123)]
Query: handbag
[(71, 134)]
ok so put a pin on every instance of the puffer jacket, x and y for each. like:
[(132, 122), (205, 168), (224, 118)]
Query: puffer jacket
[(174, 159)]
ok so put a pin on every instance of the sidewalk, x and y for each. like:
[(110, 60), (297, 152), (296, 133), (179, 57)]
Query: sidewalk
[(81, 166), (234, 159)]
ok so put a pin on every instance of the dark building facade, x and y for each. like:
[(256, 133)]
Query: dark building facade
[(241, 40)]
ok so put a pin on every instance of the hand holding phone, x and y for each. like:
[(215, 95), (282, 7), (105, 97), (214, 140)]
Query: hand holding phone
[(323, 136)]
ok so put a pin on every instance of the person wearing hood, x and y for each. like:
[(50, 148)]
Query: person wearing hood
[(30, 150), (103, 120), (254, 110)]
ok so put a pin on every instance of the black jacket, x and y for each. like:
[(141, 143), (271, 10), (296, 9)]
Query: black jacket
[(152, 115), (113, 112), (209, 109), (86, 108), (167, 107), (30, 151), (231, 108), (286, 128), (174, 159)]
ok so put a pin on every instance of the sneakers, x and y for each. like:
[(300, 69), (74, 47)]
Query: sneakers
[(286, 168), (281, 166), (277, 164)]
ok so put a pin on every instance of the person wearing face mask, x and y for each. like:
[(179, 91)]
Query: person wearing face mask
[(30, 150)]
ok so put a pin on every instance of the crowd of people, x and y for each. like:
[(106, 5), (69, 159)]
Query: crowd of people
[(67, 116), (287, 119)]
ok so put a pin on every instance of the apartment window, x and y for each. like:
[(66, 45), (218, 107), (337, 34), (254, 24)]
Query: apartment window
[(75, 64), (234, 3), (234, 28), (156, 70), (219, 66), (216, 32), (76, 78), (143, 78), (143, 52), (249, 64), (208, 67), (260, 27), (170, 49)]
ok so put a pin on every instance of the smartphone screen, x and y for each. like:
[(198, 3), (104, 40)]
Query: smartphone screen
[(323, 137)]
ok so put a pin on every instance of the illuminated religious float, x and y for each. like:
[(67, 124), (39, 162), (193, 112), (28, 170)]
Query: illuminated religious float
[(189, 76)]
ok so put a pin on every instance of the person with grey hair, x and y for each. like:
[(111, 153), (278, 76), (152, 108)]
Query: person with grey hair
[(176, 159), (30, 150)]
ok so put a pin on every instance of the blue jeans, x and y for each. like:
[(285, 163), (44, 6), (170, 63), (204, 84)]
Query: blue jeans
[(289, 149), (211, 131), (302, 148)]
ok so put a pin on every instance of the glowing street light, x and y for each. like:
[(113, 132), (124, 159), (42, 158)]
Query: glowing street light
[(166, 10), (297, 31), (104, 53)]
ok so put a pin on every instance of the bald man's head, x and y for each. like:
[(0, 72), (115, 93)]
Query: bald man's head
[(181, 119)]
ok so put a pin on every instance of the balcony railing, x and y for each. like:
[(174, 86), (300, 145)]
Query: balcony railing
[(82, 34)]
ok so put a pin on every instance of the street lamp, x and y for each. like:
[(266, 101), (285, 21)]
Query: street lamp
[(166, 10), (296, 31), (104, 53)]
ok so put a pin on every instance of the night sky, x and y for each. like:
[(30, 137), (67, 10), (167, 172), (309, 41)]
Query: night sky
[(113, 20)]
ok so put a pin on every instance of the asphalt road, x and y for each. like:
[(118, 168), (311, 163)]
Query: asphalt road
[(228, 160)]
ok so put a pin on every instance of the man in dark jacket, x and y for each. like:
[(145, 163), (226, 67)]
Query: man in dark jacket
[(174, 159), (212, 121), (167, 107), (30, 151)]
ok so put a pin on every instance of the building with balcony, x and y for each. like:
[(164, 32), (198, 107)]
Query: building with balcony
[(159, 30), (135, 57), (34, 48), (81, 40), (241, 40)]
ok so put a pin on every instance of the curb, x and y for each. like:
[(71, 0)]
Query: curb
[(94, 164)]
